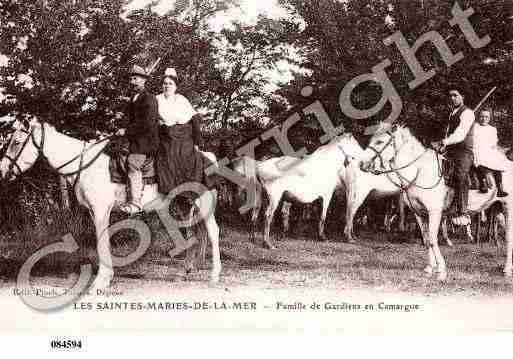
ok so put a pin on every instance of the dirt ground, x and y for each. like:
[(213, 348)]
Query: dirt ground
[(375, 286)]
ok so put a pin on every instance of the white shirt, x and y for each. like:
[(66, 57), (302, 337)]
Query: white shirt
[(467, 119), (174, 110)]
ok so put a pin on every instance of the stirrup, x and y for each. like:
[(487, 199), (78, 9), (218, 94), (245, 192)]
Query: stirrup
[(131, 208)]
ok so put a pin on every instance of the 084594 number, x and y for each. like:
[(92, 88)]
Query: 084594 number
[(66, 344)]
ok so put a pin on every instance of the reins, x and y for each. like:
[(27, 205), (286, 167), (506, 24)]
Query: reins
[(40, 148), (396, 170)]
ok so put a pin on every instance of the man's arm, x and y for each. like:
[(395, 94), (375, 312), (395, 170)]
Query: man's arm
[(467, 120), (152, 118)]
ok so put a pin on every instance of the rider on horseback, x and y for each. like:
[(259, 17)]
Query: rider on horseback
[(459, 143), (143, 135), (487, 156)]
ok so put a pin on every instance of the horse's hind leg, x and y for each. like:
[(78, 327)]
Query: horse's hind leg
[(285, 216)]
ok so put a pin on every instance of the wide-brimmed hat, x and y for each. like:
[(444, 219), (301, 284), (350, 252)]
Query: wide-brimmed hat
[(138, 71)]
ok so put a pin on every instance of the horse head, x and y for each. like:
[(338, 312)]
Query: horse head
[(22, 151), (383, 148), (349, 147)]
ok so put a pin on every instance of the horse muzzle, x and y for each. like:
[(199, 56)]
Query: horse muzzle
[(367, 166)]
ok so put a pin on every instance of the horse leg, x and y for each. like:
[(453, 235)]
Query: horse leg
[(207, 209), (468, 231), (351, 209), (326, 199), (388, 217), (269, 213), (101, 217), (400, 204), (255, 211), (434, 224), (191, 252), (508, 266), (445, 232), (285, 215), (431, 257)]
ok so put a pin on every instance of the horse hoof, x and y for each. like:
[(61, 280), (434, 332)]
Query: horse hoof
[(268, 245), (214, 278), (428, 271), (351, 240), (441, 276), (101, 283)]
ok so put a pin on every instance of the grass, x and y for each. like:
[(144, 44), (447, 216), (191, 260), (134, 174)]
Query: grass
[(390, 263)]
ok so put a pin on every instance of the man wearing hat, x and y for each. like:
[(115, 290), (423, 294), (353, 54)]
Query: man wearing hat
[(142, 133), (459, 144)]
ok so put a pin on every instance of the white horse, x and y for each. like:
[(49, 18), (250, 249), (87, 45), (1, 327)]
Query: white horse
[(88, 172), (418, 171), (308, 179), (257, 170), (361, 184)]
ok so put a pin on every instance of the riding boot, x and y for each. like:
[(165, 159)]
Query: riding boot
[(135, 163), (483, 183), (136, 188), (498, 180)]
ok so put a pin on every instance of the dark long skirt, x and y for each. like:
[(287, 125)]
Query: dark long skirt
[(178, 162)]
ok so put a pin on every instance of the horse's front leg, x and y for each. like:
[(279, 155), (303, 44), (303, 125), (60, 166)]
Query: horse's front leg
[(325, 203), (191, 253), (207, 205), (255, 212), (101, 217), (354, 201), (269, 214), (424, 233), (400, 204), (434, 224)]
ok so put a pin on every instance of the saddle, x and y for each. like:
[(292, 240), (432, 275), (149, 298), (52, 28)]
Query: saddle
[(448, 174), (118, 153)]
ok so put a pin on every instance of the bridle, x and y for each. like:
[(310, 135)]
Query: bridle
[(404, 182), (13, 162), (40, 148)]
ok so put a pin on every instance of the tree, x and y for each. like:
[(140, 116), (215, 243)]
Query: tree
[(343, 39)]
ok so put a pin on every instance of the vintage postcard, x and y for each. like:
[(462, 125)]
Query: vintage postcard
[(280, 166)]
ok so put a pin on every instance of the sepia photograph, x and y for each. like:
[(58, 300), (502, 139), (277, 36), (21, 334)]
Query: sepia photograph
[(240, 166)]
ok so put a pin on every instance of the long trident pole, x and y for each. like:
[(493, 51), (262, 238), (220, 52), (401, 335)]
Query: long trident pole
[(485, 98), (476, 108)]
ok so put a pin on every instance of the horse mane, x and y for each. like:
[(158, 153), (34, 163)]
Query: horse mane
[(409, 138)]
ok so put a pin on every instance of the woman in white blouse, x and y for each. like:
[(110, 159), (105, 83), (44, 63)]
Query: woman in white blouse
[(178, 158), (487, 156)]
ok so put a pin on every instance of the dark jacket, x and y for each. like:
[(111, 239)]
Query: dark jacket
[(143, 128)]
